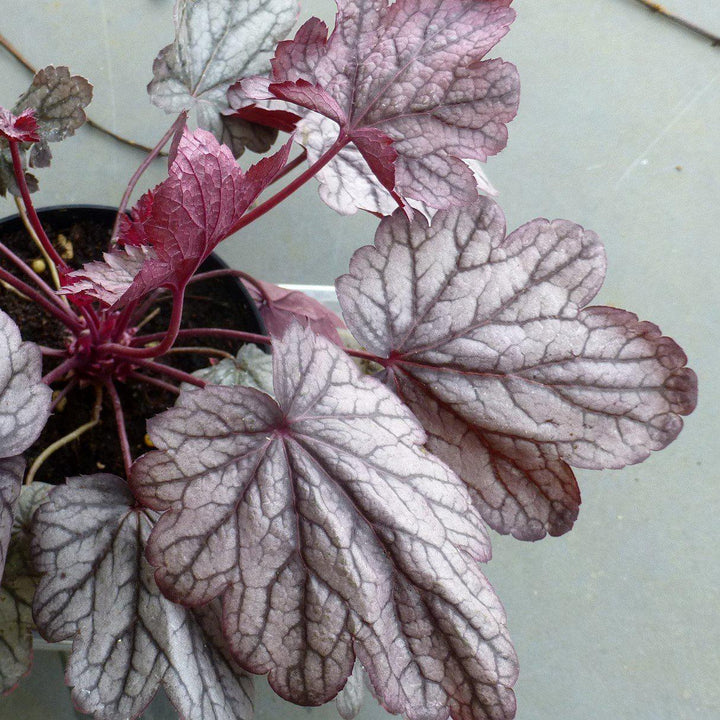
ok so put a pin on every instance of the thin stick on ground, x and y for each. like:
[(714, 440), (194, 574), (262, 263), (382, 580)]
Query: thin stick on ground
[(687, 24), (50, 449)]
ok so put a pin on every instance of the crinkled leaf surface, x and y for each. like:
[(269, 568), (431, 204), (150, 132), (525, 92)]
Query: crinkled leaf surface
[(182, 220), (24, 398), (11, 475), (279, 307), (407, 84), (58, 99), (97, 588), (513, 378), (216, 42), (18, 582), (329, 532), (251, 367)]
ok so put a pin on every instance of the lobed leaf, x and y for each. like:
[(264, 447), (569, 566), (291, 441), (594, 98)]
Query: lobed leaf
[(19, 581), (178, 224), (97, 588), (216, 42), (407, 84), (58, 100), (488, 341), (329, 532)]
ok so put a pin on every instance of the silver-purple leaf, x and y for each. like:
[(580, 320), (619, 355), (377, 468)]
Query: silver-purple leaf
[(488, 341), (216, 42), (24, 398), (251, 367), (411, 73), (59, 100), (329, 532), (128, 640), (18, 583)]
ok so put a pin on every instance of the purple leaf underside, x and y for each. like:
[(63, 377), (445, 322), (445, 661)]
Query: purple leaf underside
[(412, 72), (280, 307), (217, 41), (513, 379), (329, 532), (179, 223), (97, 587)]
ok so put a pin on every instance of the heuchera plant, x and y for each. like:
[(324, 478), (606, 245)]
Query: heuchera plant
[(299, 515)]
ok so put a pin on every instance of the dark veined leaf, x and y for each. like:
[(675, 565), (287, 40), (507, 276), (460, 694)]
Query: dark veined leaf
[(251, 367), (128, 640), (406, 83), (488, 341), (18, 582), (24, 410), (58, 100), (216, 42), (329, 532), (179, 223)]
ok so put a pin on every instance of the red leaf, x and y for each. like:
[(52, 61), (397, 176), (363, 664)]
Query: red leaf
[(19, 128), (185, 217), (413, 72)]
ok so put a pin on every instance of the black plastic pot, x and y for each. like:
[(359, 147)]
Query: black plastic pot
[(63, 217), (220, 302)]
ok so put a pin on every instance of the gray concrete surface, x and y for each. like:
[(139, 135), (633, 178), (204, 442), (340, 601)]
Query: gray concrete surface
[(618, 130)]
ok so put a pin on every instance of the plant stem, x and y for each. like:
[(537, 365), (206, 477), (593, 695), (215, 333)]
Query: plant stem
[(22, 265), (59, 395), (121, 428), (687, 24), (50, 449), (30, 208), (4, 42), (59, 312), (31, 232), (200, 350), (299, 160), (144, 165), (291, 187), (171, 372), (60, 370), (154, 381), (211, 332), (167, 338), (210, 274)]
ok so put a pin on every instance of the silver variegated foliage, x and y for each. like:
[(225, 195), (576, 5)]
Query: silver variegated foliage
[(18, 582), (97, 588), (24, 398), (329, 532), (350, 700), (217, 42), (251, 367), (489, 343)]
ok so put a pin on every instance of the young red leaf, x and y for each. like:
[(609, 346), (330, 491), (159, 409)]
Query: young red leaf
[(328, 531), (411, 72), (279, 307), (182, 220), (128, 640), (22, 127), (489, 343)]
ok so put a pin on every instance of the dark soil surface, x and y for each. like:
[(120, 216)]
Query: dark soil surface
[(213, 303)]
